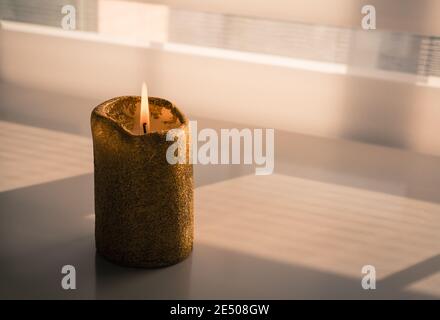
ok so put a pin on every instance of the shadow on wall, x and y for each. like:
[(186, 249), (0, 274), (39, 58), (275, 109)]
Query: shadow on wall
[(380, 111)]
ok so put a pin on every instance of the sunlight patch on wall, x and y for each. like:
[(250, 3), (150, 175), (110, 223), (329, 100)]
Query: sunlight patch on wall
[(139, 22)]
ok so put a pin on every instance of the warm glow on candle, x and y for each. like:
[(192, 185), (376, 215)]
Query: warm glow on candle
[(144, 119)]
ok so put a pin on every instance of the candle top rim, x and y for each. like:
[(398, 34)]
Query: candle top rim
[(103, 111)]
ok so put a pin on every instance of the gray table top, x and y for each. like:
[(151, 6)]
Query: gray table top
[(330, 208)]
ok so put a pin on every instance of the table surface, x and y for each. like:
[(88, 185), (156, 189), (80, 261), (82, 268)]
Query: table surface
[(305, 231)]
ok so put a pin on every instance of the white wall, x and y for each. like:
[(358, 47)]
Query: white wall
[(330, 104)]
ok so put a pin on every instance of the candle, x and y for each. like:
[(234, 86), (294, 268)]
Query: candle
[(143, 204)]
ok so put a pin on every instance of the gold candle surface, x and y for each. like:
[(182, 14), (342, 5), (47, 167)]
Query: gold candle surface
[(143, 204)]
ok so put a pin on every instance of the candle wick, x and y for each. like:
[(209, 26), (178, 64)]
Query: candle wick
[(145, 127)]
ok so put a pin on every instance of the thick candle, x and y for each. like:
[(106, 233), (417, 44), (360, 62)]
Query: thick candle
[(143, 204)]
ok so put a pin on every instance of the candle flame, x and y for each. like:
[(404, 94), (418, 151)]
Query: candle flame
[(144, 118)]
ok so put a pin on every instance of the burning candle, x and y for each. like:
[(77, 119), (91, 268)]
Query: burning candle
[(143, 204), (142, 114)]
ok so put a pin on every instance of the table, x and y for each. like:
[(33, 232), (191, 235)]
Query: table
[(306, 231)]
